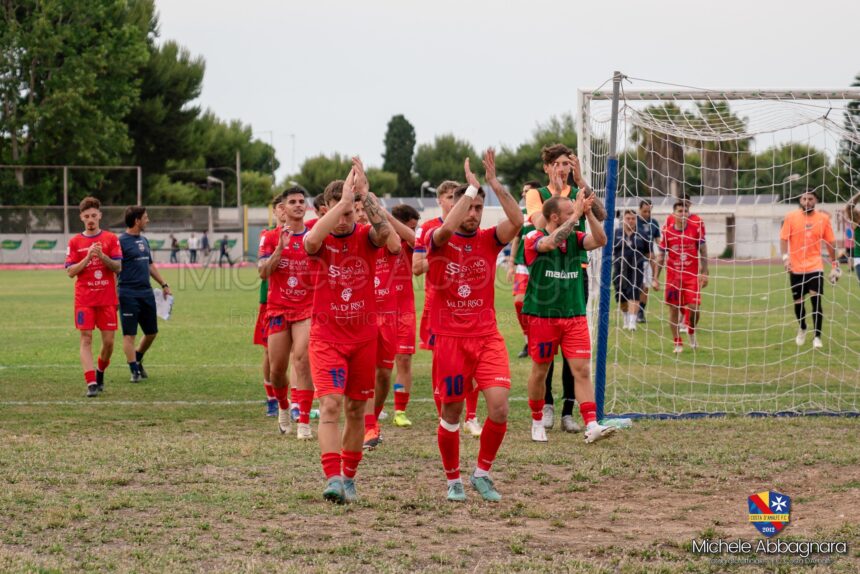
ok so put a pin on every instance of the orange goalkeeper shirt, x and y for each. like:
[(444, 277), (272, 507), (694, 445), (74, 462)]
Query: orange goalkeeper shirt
[(804, 234)]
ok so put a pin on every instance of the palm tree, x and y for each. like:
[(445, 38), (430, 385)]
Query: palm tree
[(661, 152)]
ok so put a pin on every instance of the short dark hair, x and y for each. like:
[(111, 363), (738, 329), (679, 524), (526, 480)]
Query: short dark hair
[(551, 206), (90, 202), (133, 213), (319, 202), (629, 212), (812, 191), (680, 203), (294, 190), (533, 183), (644, 202), (460, 191), (404, 213), (550, 153)]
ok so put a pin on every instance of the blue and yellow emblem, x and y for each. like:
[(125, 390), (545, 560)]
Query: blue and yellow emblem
[(769, 512)]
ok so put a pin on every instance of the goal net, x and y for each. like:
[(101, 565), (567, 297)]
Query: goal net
[(742, 159)]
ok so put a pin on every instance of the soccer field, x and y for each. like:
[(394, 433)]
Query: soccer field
[(184, 473)]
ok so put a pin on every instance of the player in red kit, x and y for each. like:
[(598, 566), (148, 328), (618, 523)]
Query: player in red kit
[(94, 258), (469, 351), (404, 220), (684, 254), (386, 320), (284, 262), (343, 328), (445, 199)]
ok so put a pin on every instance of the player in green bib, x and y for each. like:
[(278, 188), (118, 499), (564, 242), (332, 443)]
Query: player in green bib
[(555, 305), (852, 214)]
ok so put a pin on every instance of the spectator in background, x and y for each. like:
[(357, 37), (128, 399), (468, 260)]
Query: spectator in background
[(630, 252), (225, 252), (193, 246), (174, 249), (206, 248), (648, 228)]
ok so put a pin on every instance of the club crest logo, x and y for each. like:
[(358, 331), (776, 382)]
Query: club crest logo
[(468, 248), (464, 291), (98, 274), (292, 281), (769, 512), (376, 281), (141, 246), (346, 294)]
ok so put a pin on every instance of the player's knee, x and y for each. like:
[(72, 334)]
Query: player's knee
[(86, 338), (498, 411), (329, 406), (355, 409)]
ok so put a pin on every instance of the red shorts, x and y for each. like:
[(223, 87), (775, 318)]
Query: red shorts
[(424, 332), (460, 363), (521, 281), (279, 320), (547, 334), (102, 317), (406, 333), (683, 292), (343, 368), (260, 328), (386, 340)]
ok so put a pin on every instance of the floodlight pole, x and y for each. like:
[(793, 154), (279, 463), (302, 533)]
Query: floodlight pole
[(606, 256)]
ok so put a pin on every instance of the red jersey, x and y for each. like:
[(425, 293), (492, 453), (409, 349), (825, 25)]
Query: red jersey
[(291, 284), (310, 222), (462, 274), (681, 247), (96, 284), (421, 233), (384, 280), (344, 308), (403, 280)]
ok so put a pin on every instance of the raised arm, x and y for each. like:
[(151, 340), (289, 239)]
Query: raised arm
[(597, 235), (381, 234), (597, 207), (508, 229), (402, 230), (459, 212), (560, 235), (326, 224), (267, 265)]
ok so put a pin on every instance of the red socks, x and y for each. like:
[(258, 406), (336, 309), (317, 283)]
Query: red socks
[(449, 448), (331, 464), (370, 422), (401, 399), (350, 462), (523, 319), (281, 395), (588, 412), (305, 399), (491, 439), (377, 410), (102, 365), (270, 391), (90, 377), (472, 405), (537, 409)]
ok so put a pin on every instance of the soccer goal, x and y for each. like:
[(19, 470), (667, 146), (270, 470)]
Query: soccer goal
[(742, 158)]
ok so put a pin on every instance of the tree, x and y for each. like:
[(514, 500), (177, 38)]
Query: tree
[(661, 152), (516, 167), (399, 148), (720, 156), (317, 172), (850, 145), (443, 159), (68, 79)]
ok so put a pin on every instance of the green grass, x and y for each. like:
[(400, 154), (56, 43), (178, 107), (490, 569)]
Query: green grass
[(183, 473)]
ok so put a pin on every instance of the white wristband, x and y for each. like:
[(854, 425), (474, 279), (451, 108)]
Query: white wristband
[(471, 192), (785, 257)]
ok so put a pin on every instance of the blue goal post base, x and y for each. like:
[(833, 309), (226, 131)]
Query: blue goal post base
[(717, 415)]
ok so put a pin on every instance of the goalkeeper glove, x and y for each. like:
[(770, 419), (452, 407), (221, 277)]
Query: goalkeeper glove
[(834, 276)]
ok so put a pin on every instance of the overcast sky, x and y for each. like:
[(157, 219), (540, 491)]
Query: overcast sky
[(332, 73)]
